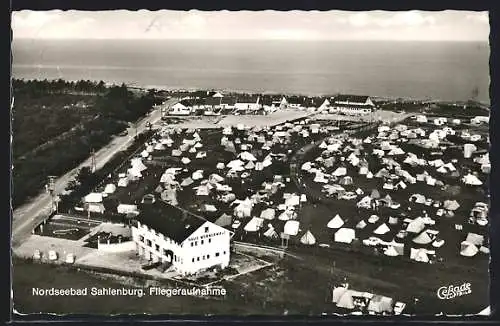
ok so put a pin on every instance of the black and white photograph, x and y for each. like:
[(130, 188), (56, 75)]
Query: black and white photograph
[(237, 163)]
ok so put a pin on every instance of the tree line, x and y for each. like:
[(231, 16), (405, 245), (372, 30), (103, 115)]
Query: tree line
[(113, 107)]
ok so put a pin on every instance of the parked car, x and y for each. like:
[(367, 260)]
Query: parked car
[(348, 196), (148, 199), (399, 307), (236, 224), (37, 255), (53, 255)]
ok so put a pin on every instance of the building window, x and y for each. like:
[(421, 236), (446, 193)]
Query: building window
[(192, 244), (206, 229), (148, 243), (164, 252), (224, 252), (157, 247), (197, 258), (216, 254), (141, 238), (209, 240), (208, 256), (201, 242), (196, 243), (192, 260)]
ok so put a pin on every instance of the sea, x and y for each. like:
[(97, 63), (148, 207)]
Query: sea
[(446, 71)]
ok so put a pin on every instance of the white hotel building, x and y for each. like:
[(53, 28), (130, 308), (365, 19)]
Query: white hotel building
[(167, 234), (352, 104)]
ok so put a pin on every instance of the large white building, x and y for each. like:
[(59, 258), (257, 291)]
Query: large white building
[(352, 104), (168, 234), (249, 103)]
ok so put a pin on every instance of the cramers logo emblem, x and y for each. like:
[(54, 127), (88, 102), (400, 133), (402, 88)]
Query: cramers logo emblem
[(452, 291)]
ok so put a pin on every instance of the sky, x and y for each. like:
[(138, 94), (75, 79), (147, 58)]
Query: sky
[(268, 25)]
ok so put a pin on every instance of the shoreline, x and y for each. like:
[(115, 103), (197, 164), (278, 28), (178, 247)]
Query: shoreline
[(167, 88)]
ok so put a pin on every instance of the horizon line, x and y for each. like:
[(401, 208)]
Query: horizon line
[(237, 39)]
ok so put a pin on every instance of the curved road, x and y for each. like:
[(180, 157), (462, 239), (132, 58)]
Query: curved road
[(27, 216)]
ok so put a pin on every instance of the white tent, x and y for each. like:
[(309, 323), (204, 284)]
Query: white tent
[(469, 149), (137, 164), (468, 249), (235, 164), (201, 154), (361, 224), (472, 180), (126, 209), (187, 182), (451, 205), (268, 214), (293, 200), (416, 225), (423, 238), (291, 228), (337, 293), (391, 251), (202, 190), (244, 208), (176, 152), (306, 166), (271, 233), (250, 165), (485, 312), (393, 220), (110, 188), (308, 238), (345, 235), (197, 175), (419, 255), (382, 229), (185, 160), (93, 197), (336, 222), (254, 225), (123, 182), (220, 166), (341, 171), (346, 301), (247, 156)]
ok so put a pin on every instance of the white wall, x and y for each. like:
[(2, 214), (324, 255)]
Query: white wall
[(216, 240), (117, 247), (219, 243)]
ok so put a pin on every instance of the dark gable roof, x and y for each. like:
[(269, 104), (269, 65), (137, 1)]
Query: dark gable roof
[(269, 99), (212, 101), (217, 101), (247, 98), (296, 100), (171, 221), (186, 102), (351, 98), (229, 100)]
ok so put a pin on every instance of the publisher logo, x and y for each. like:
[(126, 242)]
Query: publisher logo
[(452, 291)]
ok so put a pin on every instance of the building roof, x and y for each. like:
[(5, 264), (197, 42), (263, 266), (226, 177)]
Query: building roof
[(220, 100), (296, 100), (247, 98), (351, 98), (171, 221)]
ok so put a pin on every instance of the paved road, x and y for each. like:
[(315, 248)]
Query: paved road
[(27, 216)]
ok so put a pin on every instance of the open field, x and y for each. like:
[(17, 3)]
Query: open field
[(303, 285)]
